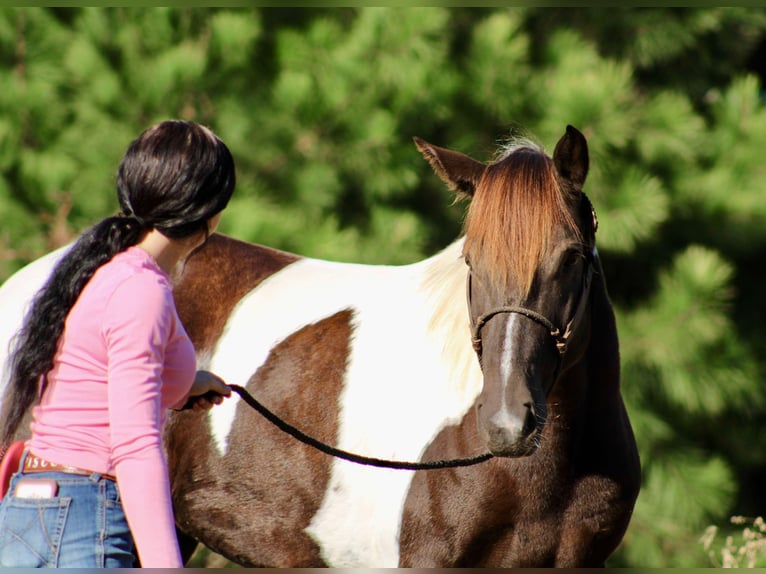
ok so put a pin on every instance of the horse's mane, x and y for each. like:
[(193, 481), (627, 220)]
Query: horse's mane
[(443, 282), (514, 211)]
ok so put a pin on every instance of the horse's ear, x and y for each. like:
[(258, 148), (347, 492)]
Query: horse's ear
[(571, 157), (460, 172)]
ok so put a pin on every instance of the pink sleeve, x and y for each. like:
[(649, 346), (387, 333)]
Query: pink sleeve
[(137, 325)]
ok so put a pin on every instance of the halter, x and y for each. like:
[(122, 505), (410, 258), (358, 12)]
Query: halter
[(560, 337)]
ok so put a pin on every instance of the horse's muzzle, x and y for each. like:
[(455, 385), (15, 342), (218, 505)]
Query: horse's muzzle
[(509, 435)]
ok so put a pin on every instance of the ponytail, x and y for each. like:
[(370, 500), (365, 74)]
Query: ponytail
[(34, 346)]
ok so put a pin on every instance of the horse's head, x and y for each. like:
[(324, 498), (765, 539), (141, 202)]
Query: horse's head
[(529, 245)]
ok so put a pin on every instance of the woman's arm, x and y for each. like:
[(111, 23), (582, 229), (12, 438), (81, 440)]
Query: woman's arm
[(138, 326)]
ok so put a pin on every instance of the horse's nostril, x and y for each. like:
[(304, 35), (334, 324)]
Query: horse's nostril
[(530, 421)]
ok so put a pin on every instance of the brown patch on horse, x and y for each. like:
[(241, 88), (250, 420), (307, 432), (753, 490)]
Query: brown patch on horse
[(215, 278), (511, 219), (300, 381)]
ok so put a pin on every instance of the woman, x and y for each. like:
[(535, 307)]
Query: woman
[(101, 355)]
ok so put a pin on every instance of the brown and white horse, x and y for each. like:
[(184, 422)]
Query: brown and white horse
[(395, 363)]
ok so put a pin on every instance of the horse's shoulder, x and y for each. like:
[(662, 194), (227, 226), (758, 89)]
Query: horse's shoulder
[(214, 280)]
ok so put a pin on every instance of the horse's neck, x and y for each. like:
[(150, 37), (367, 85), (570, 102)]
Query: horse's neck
[(604, 349), (593, 382)]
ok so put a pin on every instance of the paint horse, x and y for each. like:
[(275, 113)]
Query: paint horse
[(395, 362)]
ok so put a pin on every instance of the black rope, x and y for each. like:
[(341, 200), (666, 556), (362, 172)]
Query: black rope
[(349, 456)]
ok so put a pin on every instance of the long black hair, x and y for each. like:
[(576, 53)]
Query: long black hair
[(174, 177)]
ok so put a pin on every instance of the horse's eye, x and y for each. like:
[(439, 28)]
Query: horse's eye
[(573, 258)]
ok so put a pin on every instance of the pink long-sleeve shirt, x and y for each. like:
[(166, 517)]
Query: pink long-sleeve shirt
[(124, 358)]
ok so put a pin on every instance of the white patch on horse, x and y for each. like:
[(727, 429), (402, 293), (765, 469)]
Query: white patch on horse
[(504, 418), (392, 407), (393, 403)]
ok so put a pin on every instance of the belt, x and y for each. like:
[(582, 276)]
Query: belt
[(34, 464)]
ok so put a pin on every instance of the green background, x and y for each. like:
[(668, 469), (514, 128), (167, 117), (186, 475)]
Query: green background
[(319, 106)]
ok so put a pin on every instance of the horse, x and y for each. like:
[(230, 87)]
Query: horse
[(502, 348)]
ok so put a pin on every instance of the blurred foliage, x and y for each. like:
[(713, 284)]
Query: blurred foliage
[(743, 545), (319, 107)]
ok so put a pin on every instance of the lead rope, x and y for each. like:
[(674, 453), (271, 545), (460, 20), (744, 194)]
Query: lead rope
[(349, 456)]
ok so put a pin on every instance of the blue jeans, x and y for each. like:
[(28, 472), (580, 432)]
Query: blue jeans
[(84, 526)]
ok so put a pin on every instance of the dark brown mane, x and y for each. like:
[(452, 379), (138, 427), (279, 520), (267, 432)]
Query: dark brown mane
[(513, 214)]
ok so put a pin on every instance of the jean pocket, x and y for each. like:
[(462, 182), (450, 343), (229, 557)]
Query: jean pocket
[(31, 531)]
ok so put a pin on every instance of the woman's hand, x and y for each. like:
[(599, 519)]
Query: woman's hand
[(207, 390)]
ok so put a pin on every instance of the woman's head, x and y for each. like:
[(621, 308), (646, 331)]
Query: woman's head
[(174, 177)]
